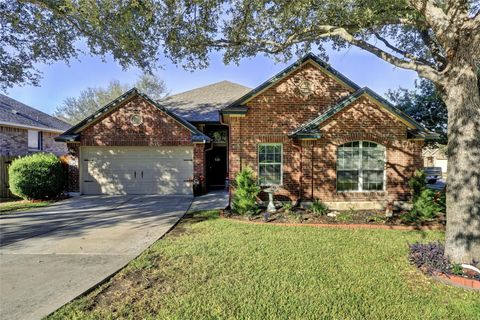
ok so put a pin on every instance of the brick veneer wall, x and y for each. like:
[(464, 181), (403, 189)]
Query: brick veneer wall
[(156, 129), (309, 167), (50, 145), (14, 142)]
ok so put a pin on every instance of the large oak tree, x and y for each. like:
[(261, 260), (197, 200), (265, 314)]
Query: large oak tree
[(439, 39)]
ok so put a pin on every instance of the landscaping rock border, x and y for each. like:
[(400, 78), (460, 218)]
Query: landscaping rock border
[(458, 281)]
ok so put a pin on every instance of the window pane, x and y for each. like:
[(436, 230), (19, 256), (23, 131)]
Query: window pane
[(347, 180), (270, 166), (32, 139), (373, 179)]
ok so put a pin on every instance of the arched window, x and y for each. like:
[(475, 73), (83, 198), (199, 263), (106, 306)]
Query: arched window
[(361, 166)]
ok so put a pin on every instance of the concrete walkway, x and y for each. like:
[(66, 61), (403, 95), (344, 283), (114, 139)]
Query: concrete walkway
[(214, 200), (51, 255)]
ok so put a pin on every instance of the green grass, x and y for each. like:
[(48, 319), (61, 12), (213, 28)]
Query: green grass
[(21, 205), (224, 269)]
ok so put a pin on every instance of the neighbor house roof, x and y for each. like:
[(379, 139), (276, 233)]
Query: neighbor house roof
[(17, 114), (203, 104), (310, 129), (73, 134), (238, 106)]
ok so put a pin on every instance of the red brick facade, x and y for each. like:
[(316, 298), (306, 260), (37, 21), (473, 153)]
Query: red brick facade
[(309, 166), (115, 129), (156, 129)]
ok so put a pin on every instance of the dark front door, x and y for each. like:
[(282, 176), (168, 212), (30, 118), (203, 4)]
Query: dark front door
[(216, 167)]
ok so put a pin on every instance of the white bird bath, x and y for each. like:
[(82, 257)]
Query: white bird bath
[(271, 206)]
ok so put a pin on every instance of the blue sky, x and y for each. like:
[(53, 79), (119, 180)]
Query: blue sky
[(61, 80)]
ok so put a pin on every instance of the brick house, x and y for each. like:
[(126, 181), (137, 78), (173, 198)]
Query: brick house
[(308, 129), (24, 130)]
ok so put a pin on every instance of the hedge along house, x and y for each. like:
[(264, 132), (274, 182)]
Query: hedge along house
[(308, 129)]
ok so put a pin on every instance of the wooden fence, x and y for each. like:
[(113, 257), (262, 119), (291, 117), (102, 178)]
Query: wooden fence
[(4, 164)]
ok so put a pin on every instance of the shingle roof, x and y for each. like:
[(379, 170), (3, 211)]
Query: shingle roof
[(204, 103), (14, 112), (73, 134)]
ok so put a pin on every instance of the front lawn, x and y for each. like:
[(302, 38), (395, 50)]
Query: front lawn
[(209, 268), (10, 206)]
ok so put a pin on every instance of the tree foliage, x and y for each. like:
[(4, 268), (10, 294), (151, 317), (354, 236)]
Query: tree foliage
[(47, 31), (412, 34), (424, 104), (75, 109)]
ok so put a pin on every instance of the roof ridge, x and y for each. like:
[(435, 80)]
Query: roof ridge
[(203, 87)]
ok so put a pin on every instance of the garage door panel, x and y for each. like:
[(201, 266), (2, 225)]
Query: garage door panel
[(137, 170)]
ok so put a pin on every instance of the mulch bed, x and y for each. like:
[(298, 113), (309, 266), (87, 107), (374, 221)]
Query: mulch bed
[(366, 219)]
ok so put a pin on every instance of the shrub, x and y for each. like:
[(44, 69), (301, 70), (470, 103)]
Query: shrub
[(429, 257), (287, 208), (38, 176), (417, 183), (319, 208), (344, 216), (246, 192), (427, 204)]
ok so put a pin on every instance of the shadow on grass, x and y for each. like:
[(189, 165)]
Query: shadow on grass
[(192, 218)]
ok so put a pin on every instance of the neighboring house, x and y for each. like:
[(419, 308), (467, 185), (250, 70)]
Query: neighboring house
[(308, 129), (24, 130), (435, 156)]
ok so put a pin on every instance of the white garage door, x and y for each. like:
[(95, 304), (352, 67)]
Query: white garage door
[(136, 170)]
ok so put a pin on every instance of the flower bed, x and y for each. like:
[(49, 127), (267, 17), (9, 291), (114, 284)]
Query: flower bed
[(430, 259), (349, 217)]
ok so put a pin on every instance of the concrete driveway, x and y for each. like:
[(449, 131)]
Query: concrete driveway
[(51, 255)]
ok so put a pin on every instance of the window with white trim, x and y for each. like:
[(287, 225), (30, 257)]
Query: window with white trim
[(34, 140), (361, 166), (270, 164)]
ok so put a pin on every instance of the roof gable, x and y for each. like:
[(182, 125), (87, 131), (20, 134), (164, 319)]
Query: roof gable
[(311, 128), (309, 58), (73, 133), (16, 113)]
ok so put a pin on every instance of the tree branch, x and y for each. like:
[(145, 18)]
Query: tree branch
[(399, 51)]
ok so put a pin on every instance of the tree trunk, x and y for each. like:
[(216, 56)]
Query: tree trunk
[(462, 98)]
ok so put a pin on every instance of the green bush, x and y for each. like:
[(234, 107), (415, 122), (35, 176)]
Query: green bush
[(425, 207), (38, 176), (319, 208), (246, 192), (417, 183), (287, 208)]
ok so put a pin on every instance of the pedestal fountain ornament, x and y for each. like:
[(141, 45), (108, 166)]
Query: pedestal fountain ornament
[(271, 206)]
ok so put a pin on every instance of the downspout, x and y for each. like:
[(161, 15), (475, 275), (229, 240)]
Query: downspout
[(228, 157), (299, 148), (312, 166)]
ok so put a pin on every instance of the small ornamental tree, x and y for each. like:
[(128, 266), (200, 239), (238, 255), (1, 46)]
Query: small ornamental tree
[(246, 192), (38, 176)]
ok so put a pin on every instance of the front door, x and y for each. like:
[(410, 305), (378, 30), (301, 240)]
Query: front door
[(216, 167)]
